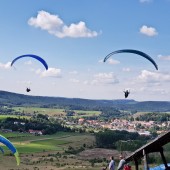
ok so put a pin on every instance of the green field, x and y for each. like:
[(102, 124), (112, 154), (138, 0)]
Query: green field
[(81, 113), (28, 143), (55, 112), (35, 151), (48, 111)]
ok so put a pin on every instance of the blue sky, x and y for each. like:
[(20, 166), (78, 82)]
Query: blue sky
[(74, 36)]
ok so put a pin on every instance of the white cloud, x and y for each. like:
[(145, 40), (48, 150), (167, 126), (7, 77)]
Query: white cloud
[(86, 82), (100, 61), (110, 61), (164, 57), (5, 66), (28, 62), (152, 77), (149, 31), (104, 78), (74, 81), (126, 69), (28, 83), (161, 91), (55, 26), (73, 72), (143, 1), (113, 62), (51, 72)]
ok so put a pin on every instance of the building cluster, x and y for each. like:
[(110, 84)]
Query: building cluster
[(142, 127)]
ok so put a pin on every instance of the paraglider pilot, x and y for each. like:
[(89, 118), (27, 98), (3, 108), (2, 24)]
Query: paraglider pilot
[(127, 92), (28, 89)]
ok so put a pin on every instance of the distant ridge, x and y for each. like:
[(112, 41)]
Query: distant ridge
[(15, 99)]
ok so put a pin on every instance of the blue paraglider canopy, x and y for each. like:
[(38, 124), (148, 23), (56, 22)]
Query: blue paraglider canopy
[(33, 56), (134, 52), (11, 147), (160, 167)]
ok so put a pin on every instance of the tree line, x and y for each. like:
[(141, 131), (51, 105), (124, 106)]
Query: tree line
[(120, 140), (37, 122)]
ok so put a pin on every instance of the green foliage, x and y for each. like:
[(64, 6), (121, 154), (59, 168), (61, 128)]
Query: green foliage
[(129, 145), (37, 122), (109, 139), (72, 150), (159, 117)]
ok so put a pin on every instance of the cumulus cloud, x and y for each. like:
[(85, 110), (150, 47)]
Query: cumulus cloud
[(56, 26), (113, 62), (100, 61), (86, 82), (73, 72), (28, 62), (28, 83), (126, 69), (153, 77), (160, 91), (110, 61), (167, 58), (5, 66), (74, 80), (104, 78), (149, 31), (51, 72)]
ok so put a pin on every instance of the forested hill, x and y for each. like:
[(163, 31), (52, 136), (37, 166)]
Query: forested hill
[(14, 99)]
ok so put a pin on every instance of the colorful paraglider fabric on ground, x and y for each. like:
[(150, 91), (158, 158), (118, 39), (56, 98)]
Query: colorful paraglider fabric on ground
[(134, 52), (11, 147), (33, 56), (160, 167)]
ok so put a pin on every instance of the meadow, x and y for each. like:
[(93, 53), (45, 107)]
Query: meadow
[(55, 112), (36, 149), (48, 111)]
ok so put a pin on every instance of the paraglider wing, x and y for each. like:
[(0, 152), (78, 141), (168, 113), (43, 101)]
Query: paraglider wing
[(135, 52), (33, 56), (11, 147), (2, 150)]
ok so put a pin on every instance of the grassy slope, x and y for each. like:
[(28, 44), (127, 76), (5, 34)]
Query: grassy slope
[(27, 143)]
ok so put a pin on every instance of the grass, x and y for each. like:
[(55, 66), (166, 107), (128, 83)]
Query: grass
[(36, 147), (55, 112), (82, 113), (28, 143), (48, 111), (15, 135), (52, 142)]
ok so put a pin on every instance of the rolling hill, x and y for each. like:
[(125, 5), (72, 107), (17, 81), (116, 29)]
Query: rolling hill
[(14, 99)]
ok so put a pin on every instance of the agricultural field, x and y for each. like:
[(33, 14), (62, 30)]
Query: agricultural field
[(36, 110), (81, 113), (48, 151), (55, 112)]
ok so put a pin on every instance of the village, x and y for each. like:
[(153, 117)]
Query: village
[(141, 127)]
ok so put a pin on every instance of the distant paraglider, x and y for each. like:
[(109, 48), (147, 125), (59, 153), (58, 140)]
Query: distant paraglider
[(126, 92), (10, 147), (134, 52), (28, 89), (33, 56)]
